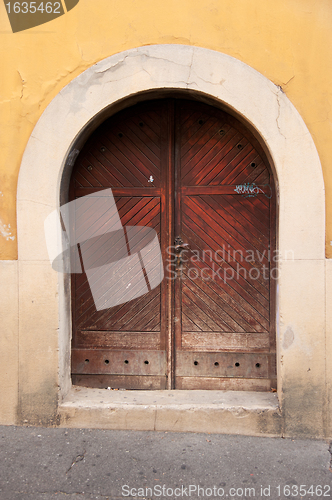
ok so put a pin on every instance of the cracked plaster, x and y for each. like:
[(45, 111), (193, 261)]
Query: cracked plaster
[(5, 231)]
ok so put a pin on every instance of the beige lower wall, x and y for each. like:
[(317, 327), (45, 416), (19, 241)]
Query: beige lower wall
[(328, 354), (38, 349), (302, 346), (9, 341)]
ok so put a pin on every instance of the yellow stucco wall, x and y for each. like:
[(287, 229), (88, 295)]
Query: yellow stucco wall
[(288, 41)]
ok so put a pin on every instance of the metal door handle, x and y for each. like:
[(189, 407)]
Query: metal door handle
[(179, 247)]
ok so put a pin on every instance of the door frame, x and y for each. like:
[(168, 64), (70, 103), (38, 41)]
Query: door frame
[(99, 92)]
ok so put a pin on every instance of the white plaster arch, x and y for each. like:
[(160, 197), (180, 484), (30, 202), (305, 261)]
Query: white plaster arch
[(301, 225)]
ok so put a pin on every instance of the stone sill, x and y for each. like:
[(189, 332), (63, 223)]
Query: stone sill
[(225, 412)]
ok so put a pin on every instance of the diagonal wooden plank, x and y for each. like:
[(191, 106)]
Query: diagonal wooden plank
[(243, 216), (188, 325), (106, 173), (217, 154), (200, 140), (226, 265), (214, 309), (191, 313), (142, 143), (145, 317), (127, 152), (111, 162), (117, 317), (195, 208), (235, 284), (202, 310), (235, 312), (239, 313), (130, 317)]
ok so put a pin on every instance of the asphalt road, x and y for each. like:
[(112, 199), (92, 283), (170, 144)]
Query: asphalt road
[(75, 464)]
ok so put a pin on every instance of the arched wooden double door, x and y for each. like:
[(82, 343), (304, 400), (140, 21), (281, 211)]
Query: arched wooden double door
[(200, 179)]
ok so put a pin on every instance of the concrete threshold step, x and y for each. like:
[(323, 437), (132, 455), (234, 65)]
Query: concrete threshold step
[(222, 412)]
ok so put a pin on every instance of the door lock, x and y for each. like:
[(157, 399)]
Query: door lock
[(179, 247)]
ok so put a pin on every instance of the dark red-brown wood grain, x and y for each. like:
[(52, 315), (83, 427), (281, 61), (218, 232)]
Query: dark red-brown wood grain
[(200, 330)]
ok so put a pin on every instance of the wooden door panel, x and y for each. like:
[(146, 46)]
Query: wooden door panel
[(143, 211), (223, 290), (188, 170), (222, 150), (125, 344), (224, 235), (225, 299), (210, 298), (226, 277)]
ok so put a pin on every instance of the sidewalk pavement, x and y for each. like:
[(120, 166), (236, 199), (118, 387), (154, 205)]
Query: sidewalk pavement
[(75, 464)]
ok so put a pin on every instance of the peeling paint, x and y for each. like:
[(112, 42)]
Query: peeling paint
[(5, 233), (277, 119), (111, 67)]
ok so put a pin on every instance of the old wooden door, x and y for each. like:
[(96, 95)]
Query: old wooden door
[(200, 179)]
